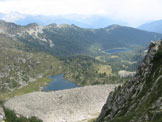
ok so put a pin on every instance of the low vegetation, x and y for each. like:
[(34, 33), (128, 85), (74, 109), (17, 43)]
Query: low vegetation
[(10, 116), (31, 87), (87, 71)]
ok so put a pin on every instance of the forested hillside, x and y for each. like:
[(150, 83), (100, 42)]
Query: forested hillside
[(155, 26)]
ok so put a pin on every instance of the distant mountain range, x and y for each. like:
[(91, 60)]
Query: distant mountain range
[(25, 57), (94, 21), (67, 40), (155, 26)]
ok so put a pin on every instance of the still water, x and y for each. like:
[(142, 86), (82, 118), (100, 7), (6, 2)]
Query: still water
[(59, 83)]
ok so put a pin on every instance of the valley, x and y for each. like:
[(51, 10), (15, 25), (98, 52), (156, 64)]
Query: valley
[(80, 61), (83, 104), (32, 53), (85, 62)]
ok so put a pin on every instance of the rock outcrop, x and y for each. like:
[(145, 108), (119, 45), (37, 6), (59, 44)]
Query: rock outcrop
[(140, 99), (124, 73), (1, 114), (72, 105)]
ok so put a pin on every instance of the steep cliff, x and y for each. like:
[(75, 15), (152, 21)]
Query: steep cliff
[(140, 99)]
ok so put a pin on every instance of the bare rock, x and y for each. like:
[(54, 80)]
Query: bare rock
[(71, 105)]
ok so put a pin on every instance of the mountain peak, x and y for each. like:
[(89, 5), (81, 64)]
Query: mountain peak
[(113, 26), (31, 25), (155, 26), (52, 25), (64, 25), (2, 21)]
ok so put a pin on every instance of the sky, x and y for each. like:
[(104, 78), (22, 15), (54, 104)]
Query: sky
[(132, 12)]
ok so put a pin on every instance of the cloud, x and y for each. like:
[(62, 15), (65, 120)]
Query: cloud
[(130, 11), (139, 11), (12, 17), (50, 7)]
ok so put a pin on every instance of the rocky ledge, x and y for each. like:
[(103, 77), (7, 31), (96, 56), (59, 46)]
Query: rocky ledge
[(73, 105)]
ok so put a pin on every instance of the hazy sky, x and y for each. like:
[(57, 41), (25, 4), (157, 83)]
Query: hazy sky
[(134, 12)]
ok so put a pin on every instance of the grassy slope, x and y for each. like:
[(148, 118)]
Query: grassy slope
[(31, 87)]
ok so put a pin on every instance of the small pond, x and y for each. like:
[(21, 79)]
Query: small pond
[(59, 83), (118, 50)]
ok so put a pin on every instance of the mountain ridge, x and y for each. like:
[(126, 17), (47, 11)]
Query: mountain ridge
[(139, 99), (154, 26), (67, 40)]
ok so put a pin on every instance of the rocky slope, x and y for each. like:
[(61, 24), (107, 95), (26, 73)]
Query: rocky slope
[(74, 105), (140, 99)]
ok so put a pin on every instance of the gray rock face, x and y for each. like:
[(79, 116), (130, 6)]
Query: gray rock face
[(124, 73), (136, 92), (1, 118), (1, 113), (72, 105)]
